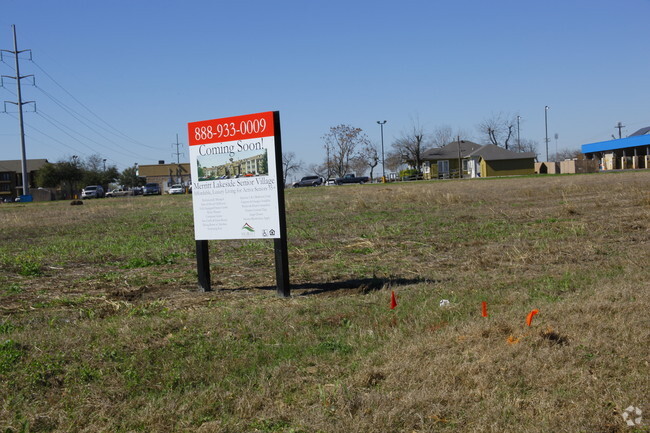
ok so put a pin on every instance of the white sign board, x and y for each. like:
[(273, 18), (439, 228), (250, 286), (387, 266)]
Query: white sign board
[(234, 180)]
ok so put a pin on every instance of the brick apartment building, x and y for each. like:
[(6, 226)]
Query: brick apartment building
[(11, 177), (166, 175)]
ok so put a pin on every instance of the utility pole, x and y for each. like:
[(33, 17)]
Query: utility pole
[(460, 160), (179, 172), (518, 140), (20, 104), (177, 153), (619, 127), (329, 169), (546, 128)]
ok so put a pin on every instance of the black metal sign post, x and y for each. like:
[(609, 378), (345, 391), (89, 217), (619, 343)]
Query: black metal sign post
[(280, 245), (203, 265)]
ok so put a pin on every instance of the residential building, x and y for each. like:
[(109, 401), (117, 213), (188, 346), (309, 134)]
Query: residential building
[(468, 159), (166, 175), (444, 162), (252, 165), (491, 160), (11, 177)]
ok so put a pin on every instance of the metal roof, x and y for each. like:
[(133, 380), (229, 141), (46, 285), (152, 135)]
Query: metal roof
[(642, 131), (621, 143), (450, 150), (491, 152)]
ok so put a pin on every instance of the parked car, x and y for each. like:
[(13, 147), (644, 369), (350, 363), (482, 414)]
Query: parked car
[(92, 191), (352, 178), (309, 181), (119, 192), (151, 189), (177, 189), (137, 190)]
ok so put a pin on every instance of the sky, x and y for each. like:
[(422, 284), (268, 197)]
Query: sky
[(121, 79)]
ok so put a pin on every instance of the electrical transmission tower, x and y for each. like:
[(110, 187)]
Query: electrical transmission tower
[(177, 153), (20, 104)]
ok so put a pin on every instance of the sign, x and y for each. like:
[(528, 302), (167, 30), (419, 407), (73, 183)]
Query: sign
[(234, 177)]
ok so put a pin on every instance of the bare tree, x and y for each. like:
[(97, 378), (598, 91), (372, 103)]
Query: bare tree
[(320, 170), (93, 163), (569, 154), (527, 145), (368, 157), (442, 135), (411, 145), (358, 166), (499, 129), (289, 164), (341, 144), (393, 161)]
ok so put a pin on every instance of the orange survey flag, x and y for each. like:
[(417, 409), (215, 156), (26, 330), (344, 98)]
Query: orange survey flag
[(529, 319), (393, 301), (484, 309)]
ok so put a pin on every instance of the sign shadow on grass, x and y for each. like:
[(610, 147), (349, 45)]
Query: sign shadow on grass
[(359, 285)]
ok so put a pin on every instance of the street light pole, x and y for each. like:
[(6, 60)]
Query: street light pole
[(383, 165), (546, 127)]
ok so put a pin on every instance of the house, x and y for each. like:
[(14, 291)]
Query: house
[(11, 177), (491, 160), (166, 175), (443, 162), (475, 160), (631, 152)]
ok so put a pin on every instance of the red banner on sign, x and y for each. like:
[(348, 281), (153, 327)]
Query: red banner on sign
[(231, 128)]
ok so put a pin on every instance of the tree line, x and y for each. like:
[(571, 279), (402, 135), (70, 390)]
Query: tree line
[(70, 175), (348, 149)]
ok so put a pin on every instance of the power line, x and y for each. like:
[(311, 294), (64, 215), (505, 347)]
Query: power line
[(92, 112), (2, 60), (48, 136), (51, 122), (75, 115), (73, 133), (56, 124), (7, 89), (78, 116)]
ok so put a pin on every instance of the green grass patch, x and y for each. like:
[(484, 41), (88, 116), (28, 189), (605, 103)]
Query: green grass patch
[(110, 333), (10, 354)]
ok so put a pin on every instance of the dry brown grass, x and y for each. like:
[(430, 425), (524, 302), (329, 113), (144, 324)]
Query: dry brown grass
[(94, 338)]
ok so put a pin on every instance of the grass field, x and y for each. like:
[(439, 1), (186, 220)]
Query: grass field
[(102, 328)]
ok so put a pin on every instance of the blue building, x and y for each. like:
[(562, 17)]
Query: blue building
[(631, 152)]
